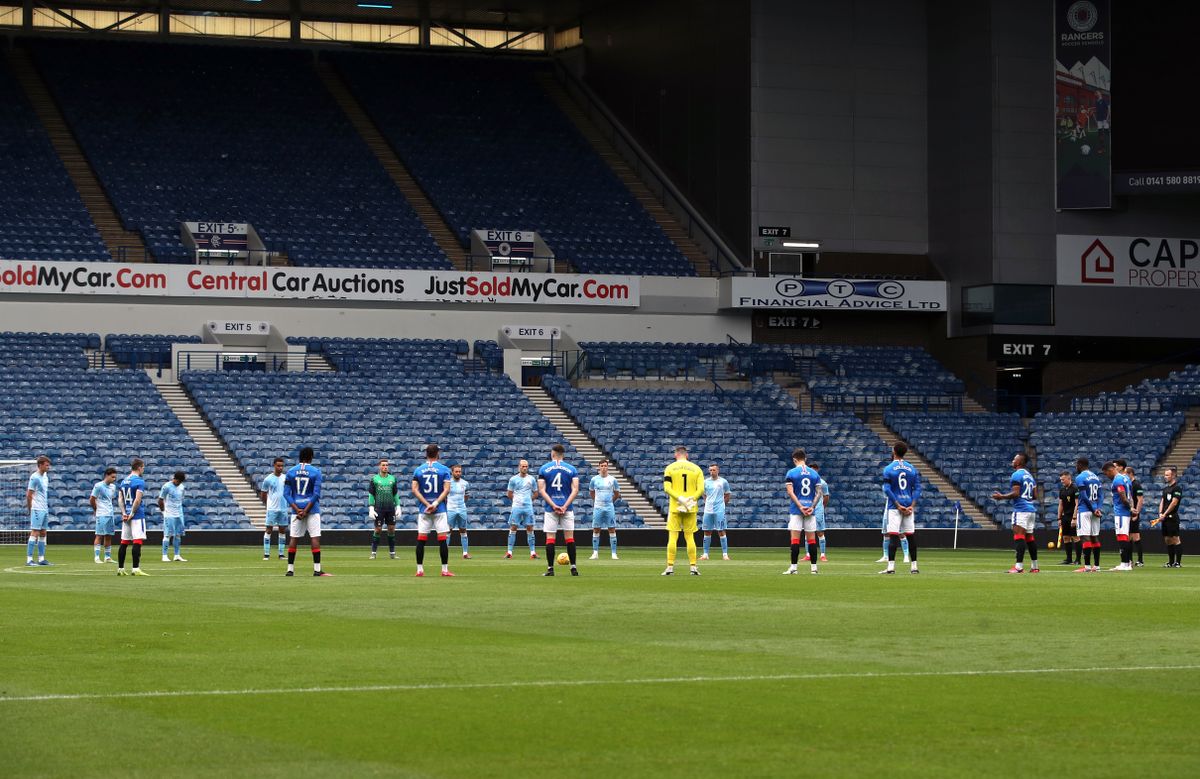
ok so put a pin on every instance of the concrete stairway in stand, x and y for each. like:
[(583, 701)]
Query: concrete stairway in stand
[(362, 122), (1184, 448), (932, 475), (642, 193), (215, 451), (592, 454), (124, 245)]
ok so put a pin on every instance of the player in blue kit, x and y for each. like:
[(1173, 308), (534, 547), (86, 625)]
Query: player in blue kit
[(1122, 498), (902, 485), (1023, 494), (803, 487), (37, 502), (302, 495), (558, 485), (716, 495), (1088, 515), (520, 491), (131, 500), (456, 507), (271, 493), (604, 493), (430, 486), (170, 503), (883, 530), (104, 492)]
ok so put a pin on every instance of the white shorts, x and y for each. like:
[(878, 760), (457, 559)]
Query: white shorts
[(1121, 525), (1027, 520), (551, 522), (433, 523), (798, 523), (1102, 124), (311, 524), (133, 530), (898, 523), (1088, 525)]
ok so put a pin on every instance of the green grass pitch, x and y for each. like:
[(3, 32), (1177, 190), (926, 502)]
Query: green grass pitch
[(223, 667)]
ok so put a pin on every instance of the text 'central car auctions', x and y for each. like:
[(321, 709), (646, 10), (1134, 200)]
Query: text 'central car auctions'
[(835, 294), (376, 286)]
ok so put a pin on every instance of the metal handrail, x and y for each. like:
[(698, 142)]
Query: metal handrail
[(645, 164)]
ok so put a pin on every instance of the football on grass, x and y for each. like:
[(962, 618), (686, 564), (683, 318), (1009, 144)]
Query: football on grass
[(563, 558)]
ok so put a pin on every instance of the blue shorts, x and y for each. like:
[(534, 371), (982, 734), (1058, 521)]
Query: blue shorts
[(105, 525), (173, 526), (603, 518), (713, 522), (39, 520), (521, 516), (821, 523), (458, 520), (278, 519)]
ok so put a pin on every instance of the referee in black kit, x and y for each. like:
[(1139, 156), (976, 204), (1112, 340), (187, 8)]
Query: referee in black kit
[(1068, 495), (1168, 515)]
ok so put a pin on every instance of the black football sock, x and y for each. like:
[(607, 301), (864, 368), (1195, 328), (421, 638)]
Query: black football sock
[(1137, 547), (893, 545), (912, 548), (1087, 553), (813, 553), (795, 551), (550, 554), (392, 541), (1032, 547), (1019, 543), (1179, 553), (1096, 554), (317, 560), (444, 550), (571, 551), (121, 554), (1078, 552), (374, 541), (291, 555), (420, 551), (137, 555)]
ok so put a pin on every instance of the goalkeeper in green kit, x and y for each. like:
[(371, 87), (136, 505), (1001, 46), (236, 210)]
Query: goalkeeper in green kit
[(381, 504)]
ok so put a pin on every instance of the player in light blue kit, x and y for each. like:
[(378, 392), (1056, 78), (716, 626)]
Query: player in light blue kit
[(170, 503), (1023, 493), (104, 492), (716, 495), (271, 493), (902, 485), (520, 491), (605, 493), (430, 485), (456, 507), (819, 514), (37, 500)]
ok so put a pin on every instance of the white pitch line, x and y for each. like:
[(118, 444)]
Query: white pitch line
[(88, 696)]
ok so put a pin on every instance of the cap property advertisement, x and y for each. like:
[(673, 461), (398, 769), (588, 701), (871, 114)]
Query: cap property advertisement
[(1082, 104), (1140, 261)]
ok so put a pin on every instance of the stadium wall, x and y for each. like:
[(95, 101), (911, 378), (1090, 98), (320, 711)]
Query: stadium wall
[(672, 309), (839, 122)]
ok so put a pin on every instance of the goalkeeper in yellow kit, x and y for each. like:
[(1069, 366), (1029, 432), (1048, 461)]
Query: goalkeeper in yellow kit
[(683, 481)]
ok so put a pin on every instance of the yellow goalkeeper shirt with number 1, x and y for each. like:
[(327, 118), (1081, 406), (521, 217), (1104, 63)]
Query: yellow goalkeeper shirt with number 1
[(683, 479)]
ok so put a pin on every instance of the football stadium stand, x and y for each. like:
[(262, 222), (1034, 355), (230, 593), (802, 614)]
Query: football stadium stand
[(41, 214), (89, 420), (145, 351), (198, 133), (377, 409), (750, 434), (492, 150)]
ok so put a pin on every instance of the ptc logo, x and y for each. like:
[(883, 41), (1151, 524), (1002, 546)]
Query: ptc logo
[(790, 287), (1097, 265), (840, 288)]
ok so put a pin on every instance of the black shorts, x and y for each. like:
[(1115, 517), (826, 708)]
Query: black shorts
[(385, 517), (1068, 529), (1170, 526), (1135, 525)]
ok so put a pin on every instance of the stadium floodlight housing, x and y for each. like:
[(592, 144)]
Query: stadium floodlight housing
[(802, 244), (384, 6)]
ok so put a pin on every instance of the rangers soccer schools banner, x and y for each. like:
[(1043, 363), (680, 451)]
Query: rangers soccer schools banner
[(373, 286), (1082, 104)]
